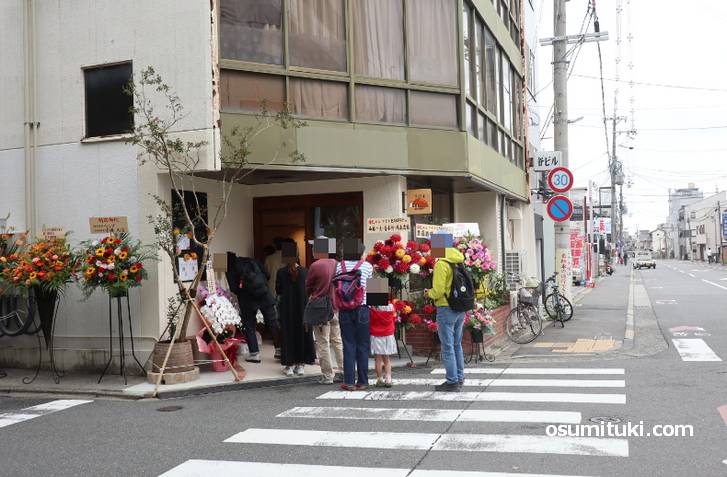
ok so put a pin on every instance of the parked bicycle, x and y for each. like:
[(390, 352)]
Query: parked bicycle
[(557, 306), (17, 314), (524, 322)]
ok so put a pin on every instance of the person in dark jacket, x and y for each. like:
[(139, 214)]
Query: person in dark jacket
[(297, 341), (249, 282)]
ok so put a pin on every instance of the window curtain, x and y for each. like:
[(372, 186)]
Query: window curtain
[(241, 91), (317, 36), (318, 99), (251, 30), (379, 38), (383, 105), (433, 109), (432, 41)]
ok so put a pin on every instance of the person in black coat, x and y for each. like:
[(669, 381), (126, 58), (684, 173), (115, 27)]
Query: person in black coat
[(298, 348), (248, 280)]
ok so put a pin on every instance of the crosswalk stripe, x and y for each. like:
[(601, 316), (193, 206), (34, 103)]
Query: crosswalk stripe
[(554, 383), (695, 349), (196, 467), (434, 415), (534, 371), (475, 396), (9, 418), (222, 468), (437, 442)]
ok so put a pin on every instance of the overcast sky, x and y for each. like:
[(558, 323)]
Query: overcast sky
[(673, 42)]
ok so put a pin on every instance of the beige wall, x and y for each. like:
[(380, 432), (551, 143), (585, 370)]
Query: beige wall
[(483, 208)]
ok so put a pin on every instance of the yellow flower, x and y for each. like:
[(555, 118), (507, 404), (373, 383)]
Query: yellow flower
[(407, 309), (177, 231), (123, 255), (422, 261), (400, 253), (32, 275), (90, 271), (406, 258), (111, 259), (124, 276), (3, 259), (100, 251), (134, 268)]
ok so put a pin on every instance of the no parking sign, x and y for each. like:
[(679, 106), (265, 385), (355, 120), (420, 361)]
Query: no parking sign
[(560, 208)]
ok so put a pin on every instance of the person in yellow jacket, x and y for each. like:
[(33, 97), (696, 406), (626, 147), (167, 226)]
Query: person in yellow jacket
[(450, 323)]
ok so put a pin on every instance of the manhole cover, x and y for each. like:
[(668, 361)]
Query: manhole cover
[(169, 408), (605, 420)]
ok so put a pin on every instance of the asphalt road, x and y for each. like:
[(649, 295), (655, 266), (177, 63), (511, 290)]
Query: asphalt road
[(650, 382)]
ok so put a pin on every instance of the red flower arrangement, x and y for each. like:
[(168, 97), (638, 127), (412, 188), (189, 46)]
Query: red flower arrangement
[(46, 263), (113, 264), (405, 315), (393, 258)]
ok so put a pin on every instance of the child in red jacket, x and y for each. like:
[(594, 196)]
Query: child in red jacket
[(383, 343)]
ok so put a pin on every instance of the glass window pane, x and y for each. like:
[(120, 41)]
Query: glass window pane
[(378, 42), (506, 95), (432, 41), (481, 129), (317, 36), (467, 39), (492, 130), (491, 72), (470, 118), (433, 109), (382, 105), (478, 62), (251, 30), (241, 91), (319, 99)]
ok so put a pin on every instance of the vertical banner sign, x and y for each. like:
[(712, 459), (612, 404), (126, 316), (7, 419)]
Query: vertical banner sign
[(724, 225), (565, 271)]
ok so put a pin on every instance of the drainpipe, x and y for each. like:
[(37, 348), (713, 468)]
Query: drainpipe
[(30, 124), (502, 231)]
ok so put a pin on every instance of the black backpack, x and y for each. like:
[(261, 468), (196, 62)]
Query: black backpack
[(462, 294), (252, 280)]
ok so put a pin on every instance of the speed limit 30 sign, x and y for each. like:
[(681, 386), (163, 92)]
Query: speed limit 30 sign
[(560, 180)]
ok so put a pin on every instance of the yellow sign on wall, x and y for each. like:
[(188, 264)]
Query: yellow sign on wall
[(419, 201)]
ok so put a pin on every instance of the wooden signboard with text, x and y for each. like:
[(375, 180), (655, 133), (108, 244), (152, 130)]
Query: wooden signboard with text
[(419, 201), (109, 225)]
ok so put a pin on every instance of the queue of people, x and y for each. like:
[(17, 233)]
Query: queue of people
[(310, 311)]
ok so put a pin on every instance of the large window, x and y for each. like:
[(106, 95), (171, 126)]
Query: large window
[(242, 91), (468, 76), (491, 71), (432, 41), (433, 109), (378, 28), (317, 34), (319, 99), (479, 52), (108, 106), (251, 30), (506, 94), (381, 105)]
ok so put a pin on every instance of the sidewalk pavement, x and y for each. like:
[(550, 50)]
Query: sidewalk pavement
[(265, 374), (598, 324)]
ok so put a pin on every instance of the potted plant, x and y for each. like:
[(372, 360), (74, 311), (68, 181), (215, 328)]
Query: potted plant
[(479, 322), (179, 161), (113, 264), (44, 268)]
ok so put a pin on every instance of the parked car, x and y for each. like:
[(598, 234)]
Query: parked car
[(644, 259)]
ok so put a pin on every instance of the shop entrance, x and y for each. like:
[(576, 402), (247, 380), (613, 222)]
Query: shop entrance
[(304, 217)]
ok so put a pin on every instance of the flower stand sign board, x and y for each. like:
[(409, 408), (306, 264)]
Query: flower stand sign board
[(419, 201), (109, 225), (388, 225), (51, 233)]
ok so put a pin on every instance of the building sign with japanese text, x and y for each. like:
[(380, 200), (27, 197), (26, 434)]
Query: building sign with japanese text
[(388, 225)]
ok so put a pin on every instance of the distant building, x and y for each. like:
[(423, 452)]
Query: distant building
[(658, 243), (679, 198), (643, 240), (704, 223)]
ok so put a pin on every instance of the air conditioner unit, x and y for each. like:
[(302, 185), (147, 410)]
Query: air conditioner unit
[(513, 269)]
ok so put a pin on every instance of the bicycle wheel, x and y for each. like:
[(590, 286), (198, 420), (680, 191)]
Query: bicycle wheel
[(520, 327), (535, 320), (17, 315), (564, 306)]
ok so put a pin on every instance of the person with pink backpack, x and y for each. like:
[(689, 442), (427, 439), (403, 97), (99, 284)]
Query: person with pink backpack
[(349, 286)]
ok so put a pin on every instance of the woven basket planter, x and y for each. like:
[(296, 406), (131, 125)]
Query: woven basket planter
[(180, 360)]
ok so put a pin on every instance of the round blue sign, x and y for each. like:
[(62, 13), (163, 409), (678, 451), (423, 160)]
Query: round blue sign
[(560, 208)]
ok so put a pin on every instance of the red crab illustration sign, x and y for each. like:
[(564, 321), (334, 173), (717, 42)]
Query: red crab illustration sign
[(560, 208), (560, 180)]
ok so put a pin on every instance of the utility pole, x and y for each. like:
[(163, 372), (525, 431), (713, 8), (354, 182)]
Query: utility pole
[(563, 257)]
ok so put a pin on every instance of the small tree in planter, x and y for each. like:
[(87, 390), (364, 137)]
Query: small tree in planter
[(179, 160)]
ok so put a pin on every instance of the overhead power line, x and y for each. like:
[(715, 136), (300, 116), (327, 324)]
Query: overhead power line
[(659, 85), (702, 128)]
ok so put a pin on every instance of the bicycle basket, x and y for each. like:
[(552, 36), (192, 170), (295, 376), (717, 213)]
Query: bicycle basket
[(528, 296)]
